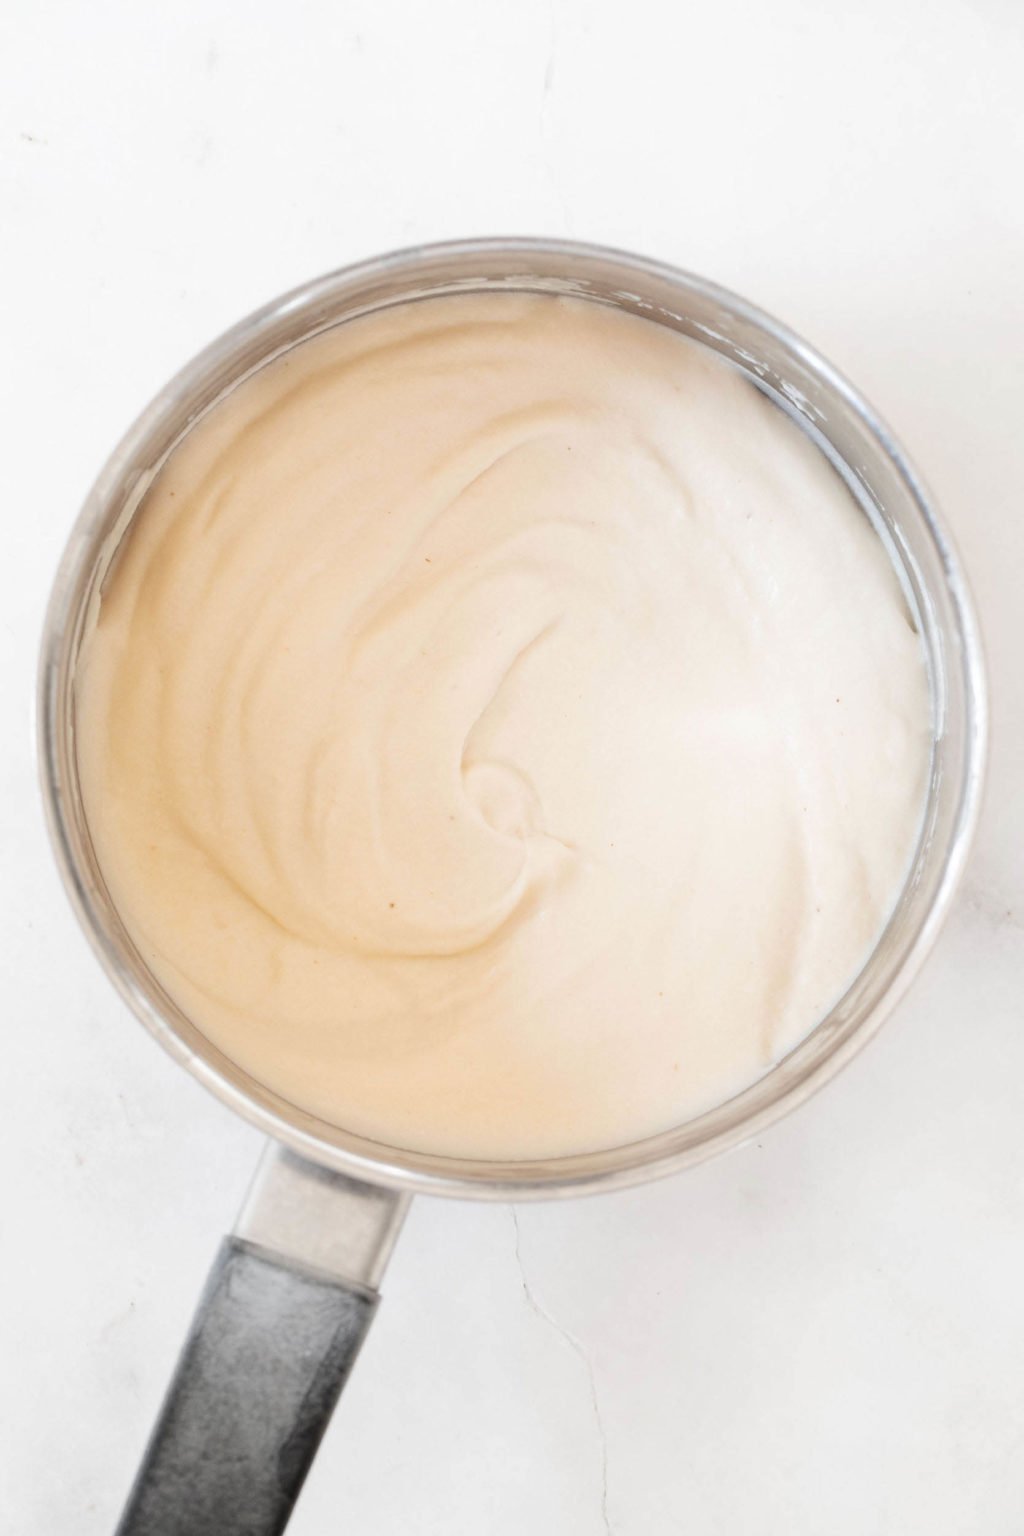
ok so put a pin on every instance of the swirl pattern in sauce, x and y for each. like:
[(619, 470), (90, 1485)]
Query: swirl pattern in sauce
[(502, 733)]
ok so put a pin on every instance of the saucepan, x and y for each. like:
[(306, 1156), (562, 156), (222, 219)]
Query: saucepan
[(294, 1287)]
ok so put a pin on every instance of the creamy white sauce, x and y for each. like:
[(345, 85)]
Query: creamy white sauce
[(502, 733)]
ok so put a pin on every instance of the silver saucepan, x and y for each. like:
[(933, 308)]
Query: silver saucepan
[(294, 1287)]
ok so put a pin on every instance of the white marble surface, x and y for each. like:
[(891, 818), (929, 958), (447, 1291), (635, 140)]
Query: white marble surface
[(822, 1333)]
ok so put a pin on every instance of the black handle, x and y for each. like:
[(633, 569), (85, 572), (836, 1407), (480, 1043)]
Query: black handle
[(269, 1352)]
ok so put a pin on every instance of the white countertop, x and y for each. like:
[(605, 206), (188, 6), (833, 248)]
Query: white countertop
[(822, 1333)]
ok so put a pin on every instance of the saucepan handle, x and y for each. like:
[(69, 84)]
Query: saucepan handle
[(280, 1323)]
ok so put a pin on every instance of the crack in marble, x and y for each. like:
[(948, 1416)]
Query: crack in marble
[(580, 1352), (554, 176), (549, 67)]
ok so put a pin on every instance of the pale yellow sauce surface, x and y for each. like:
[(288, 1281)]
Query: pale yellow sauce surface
[(502, 733)]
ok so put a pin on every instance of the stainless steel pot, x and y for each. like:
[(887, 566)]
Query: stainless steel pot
[(294, 1288)]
